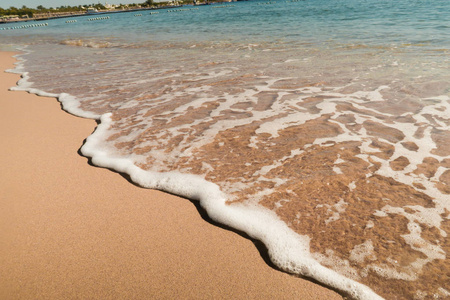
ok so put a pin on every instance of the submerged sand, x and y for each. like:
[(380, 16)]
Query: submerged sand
[(71, 230)]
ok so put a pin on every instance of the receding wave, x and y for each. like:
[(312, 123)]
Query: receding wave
[(87, 43), (353, 158)]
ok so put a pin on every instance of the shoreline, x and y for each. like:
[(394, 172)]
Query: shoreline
[(69, 229), (102, 12)]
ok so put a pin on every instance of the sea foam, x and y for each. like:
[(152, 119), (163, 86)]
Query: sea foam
[(287, 250)]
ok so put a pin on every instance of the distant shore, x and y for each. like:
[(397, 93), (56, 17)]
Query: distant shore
[(60, 15), (72, 14)]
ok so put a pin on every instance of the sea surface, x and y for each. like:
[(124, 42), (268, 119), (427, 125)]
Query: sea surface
[(320, 127)]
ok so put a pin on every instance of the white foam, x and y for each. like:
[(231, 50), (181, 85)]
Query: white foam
[(374, 96), (370, 224), (69, 103), (444, 292), (335, 211), (360, 252), (287, 249), (337, 170), (339, 160)]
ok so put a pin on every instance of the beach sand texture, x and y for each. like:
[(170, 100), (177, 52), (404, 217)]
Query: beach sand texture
[(70, 230)]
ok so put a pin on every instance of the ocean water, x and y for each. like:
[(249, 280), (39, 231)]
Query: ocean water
[(319, 127)]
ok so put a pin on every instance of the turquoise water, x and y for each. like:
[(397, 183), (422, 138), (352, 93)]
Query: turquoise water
[(319, 127), (368, 22)]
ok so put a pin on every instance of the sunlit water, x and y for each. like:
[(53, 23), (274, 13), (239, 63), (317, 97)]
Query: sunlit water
[(332, 116)]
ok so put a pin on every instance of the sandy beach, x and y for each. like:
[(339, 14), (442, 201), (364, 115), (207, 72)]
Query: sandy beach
[(70, 230)]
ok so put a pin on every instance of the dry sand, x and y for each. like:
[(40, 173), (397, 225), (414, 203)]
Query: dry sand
[(70, 230)]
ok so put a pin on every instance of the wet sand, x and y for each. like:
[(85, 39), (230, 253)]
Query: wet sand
[(70, 230)]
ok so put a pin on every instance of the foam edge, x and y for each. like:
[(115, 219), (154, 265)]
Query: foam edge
[(287, 250)]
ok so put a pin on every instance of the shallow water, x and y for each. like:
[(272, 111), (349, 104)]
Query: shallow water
[(332, 117)]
